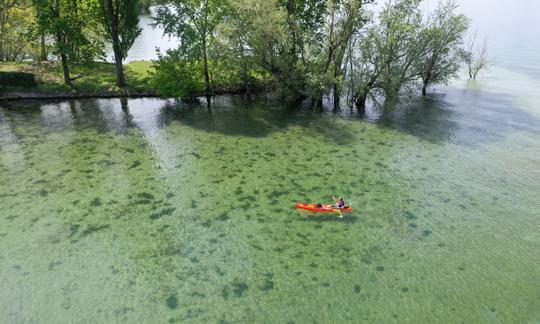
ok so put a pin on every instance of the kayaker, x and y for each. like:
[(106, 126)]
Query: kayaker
[(341, 203), (318, 205)]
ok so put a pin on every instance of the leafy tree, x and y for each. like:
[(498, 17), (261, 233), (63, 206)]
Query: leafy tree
[(398, 43), (401, 48), (367, 63), (263, 31), (234, 49), (443, 36), (15, 20), (73, 25), (345, 18), (121, 22), (194, 22), (305, 20), (5, 9)]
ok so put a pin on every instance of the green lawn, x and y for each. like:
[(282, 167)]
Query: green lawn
[(98, 78)]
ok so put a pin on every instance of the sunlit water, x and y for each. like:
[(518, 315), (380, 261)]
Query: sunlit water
[(149, 210)]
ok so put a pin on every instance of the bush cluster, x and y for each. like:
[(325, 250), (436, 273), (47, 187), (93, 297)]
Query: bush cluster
[(17, 79)]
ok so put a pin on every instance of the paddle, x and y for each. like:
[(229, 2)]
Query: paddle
[(337, 205)]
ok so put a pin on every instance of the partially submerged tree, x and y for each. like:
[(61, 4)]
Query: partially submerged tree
[(121, 21), (365, 75), (398, 43), (315, 47), (443, 37), (345, 18), (385, 52), (476, 60)]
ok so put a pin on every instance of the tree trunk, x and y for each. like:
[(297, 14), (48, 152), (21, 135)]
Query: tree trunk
[(42, 47), (426, 79), (205, 62), (337, 94), (361, 103), (118, 55), (245, 75), (120, 80), (65, 69), (316, 102), (247, 85)]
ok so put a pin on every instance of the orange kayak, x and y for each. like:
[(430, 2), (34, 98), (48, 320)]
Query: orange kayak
[(323, 209)]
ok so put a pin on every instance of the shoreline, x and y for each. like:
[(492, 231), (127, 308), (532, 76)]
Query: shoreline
[(63, 96), (19, 96)]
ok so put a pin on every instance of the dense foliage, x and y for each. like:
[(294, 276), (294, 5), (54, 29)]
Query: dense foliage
[(307, 48), (17, 79), (313, 48)]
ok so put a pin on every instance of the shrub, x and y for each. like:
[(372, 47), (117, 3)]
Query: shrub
[(175, 76), (17, 79)]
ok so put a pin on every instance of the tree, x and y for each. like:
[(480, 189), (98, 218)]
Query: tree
[(121, 22), (345, 18), (5, 8), (367, 66), (233, 46), (399, 45), (263, 37), (15, 21), (443, 36), (476, 61), (194, 22), (72, 23), (385, 52)]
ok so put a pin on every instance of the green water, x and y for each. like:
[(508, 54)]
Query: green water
[(148, 210)]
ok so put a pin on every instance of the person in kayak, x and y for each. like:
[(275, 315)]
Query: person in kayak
[(340, 204), (318, 205)]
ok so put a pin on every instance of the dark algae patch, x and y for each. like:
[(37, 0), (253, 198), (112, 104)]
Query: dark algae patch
[(223, 216), (94, 228), (239, 288), (96, 202), (134, 164), (163, 212), (172, 302), (145, 195)]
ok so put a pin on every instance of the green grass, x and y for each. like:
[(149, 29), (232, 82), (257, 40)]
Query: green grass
[(140, 69), (97, 79)]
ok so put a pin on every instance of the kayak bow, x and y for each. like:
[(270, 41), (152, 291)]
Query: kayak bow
[(323, 209)]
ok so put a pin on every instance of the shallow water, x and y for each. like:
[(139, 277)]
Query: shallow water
[(151, 210), (148, 210)]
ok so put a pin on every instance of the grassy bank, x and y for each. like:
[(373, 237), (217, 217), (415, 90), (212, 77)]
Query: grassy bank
[(98, 79)]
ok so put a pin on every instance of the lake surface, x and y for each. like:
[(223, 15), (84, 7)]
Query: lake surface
[(150, 210)]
